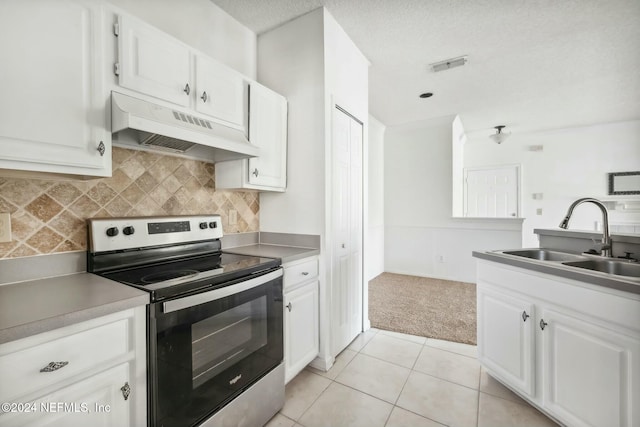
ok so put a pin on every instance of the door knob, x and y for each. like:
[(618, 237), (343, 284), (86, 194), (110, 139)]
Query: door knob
[(255, 172), (204, 96), (289, 306), (187, 89), (525, 316)]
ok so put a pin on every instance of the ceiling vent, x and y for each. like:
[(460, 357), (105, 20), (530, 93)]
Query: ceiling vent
[(449, 63)]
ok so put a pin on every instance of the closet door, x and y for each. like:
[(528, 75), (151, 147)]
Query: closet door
[(346, 283)]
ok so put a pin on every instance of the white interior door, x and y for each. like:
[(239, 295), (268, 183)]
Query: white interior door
[(347, 230), (492, 192)]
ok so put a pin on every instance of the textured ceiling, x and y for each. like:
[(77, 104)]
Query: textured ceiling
[(533, 65)]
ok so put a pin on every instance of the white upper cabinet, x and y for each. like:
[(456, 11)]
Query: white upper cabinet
[(153, 63), (52, 106), (267, 131), (221, 92)]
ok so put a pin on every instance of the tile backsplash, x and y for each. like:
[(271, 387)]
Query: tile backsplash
[(48, 216)]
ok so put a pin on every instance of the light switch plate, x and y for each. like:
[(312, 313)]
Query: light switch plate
[(5, 227)]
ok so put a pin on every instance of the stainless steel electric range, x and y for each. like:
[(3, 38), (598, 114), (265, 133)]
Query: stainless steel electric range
[(214, 324)]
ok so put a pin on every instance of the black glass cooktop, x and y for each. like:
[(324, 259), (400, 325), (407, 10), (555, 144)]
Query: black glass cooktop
[(176, 278)]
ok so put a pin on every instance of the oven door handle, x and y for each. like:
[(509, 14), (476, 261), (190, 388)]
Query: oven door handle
[(193, 300)]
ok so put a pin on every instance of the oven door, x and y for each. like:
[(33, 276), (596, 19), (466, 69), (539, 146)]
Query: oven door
[(204, 349)]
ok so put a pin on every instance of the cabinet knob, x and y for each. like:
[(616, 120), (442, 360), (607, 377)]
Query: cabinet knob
[(525, 316), (305, 273), (126, 390), (187, 89), (101, 148), (289, 306), (204, 96), (54, 366), (343, 246), (543, 324), (255, 172)]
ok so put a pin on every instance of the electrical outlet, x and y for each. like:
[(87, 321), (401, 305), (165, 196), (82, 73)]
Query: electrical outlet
[(233, 217), (5, 227)]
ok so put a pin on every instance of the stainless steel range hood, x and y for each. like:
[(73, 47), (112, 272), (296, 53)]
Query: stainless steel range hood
[(141, 124)]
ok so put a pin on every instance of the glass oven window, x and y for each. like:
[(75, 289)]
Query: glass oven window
[(223, 340)]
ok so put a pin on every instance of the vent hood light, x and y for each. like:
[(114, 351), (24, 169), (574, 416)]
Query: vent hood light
[(449, 63), (141, 124)]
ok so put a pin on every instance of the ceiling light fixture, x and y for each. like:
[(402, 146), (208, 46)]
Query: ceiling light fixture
[(499, 137), (449, 63)]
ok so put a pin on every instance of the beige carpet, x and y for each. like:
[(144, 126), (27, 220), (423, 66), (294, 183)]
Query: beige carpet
[(423, 306)]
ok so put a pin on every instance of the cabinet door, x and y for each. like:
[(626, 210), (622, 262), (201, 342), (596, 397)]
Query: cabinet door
[(53, 101), (301, 334), (268, 131), (591, 375), (153, 63), (506, 338), (95, 401), (221, 93)]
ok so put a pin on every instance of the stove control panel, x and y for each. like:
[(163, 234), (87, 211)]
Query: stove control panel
[(112, 234)]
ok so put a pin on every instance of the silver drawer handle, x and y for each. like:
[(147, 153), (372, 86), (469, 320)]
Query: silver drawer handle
[(305, 273), (54, 366)]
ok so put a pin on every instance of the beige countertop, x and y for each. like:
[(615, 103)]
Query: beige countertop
[(285, 253), (36, 306)]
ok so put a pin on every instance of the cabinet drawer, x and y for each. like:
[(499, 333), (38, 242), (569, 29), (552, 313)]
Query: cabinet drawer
[(21, 370), (300, 272)]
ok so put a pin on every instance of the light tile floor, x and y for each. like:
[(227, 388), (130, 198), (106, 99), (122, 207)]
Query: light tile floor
[(388, 379)]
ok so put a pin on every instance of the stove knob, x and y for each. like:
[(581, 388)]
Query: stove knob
[(213, 224), (203, 226), (128, 230), (112, 231)]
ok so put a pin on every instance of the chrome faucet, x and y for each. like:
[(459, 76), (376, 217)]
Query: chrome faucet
[(605, 250)]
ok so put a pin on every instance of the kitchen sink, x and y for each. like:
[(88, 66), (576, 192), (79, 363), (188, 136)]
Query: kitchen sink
[(619, 268), (544, 255)]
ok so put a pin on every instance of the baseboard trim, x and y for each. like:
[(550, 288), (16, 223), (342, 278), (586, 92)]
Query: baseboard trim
[(322, 364)]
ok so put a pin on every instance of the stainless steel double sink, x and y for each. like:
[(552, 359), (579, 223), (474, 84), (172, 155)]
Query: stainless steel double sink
[(616, 267)]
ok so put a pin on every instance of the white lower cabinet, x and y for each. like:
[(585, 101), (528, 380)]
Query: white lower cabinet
[(301, 319), (92, 373), (505, 338), (569, 348)]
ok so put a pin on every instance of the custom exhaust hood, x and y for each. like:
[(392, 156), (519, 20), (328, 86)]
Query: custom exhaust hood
[(140, 124)]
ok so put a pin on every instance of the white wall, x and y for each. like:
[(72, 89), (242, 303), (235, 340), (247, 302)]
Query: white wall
[(574, 163), (375, 241), (311, 61), (421, 237), (291, 62), (202, 25)]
